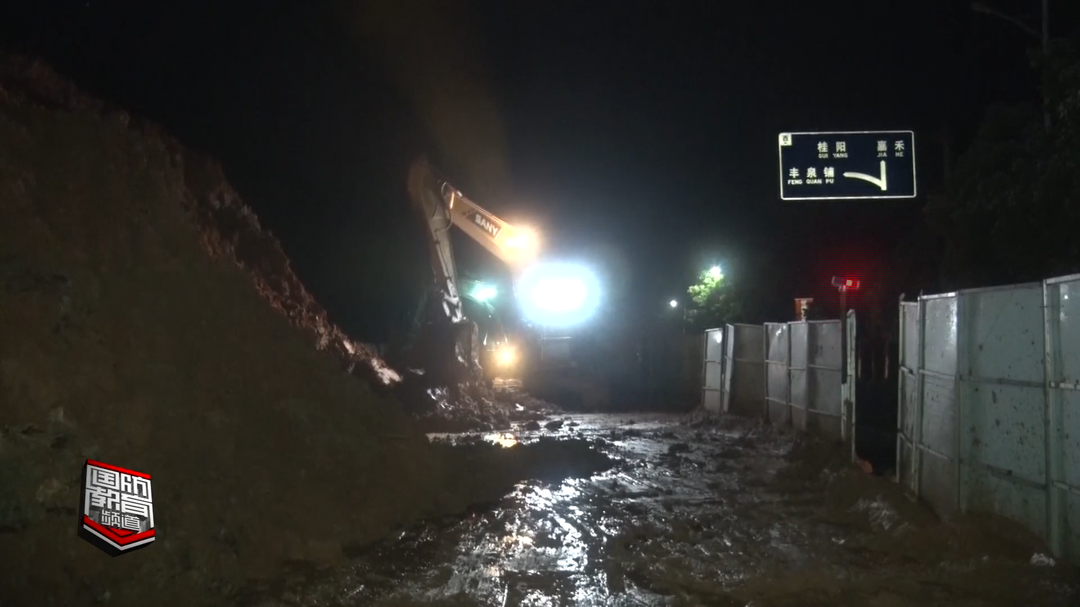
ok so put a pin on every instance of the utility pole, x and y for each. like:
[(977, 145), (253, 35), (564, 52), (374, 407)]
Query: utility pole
[(844, 285), (843, 335), (1043, 35)]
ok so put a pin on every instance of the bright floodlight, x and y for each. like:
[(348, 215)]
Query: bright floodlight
[(558, 294), (673, 303), (715, 272), (484, 292)]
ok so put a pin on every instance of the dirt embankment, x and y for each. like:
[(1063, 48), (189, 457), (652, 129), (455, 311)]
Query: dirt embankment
[(227, 229), (132, 334)]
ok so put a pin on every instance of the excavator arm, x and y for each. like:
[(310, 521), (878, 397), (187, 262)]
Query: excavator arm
[(426, 193), (514, 245), (443, 206)]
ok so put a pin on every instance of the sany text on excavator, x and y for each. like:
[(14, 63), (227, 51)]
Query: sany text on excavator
[(450, 347)]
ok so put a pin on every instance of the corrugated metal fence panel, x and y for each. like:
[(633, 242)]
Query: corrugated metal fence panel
[(1063, 415), (991, 379), (729, 363), (909, 395), (712, 370), (910, 316), (908, 437), (939, 354), (786, 372), (823, 385), (748, 378), (777, 378), (1002, 396), (938, 473), (799, 377)]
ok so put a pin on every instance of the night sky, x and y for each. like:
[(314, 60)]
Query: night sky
[(638, 134)]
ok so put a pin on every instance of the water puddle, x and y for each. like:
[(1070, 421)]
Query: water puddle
[(613, 511)]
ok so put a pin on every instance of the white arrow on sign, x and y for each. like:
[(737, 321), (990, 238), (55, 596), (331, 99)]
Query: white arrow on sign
[(882, 182)]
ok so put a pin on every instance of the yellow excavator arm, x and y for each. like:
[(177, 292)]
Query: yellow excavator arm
[(514, 245)]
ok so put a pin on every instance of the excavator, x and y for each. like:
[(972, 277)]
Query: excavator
[(452, 346)]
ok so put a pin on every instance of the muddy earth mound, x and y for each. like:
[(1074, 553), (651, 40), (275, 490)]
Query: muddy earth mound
[(469, 407), (227, 229), (148, 322)]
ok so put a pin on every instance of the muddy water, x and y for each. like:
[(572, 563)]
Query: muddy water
[(725, 515)]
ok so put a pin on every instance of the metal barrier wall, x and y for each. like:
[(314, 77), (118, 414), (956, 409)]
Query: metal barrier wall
[(815, 398), (824, 410), (788, 373), (777, 372), (1062, 337), (712, 370), (910, 387), (744, 370), (988, 405), (931, 420), (727, 368)]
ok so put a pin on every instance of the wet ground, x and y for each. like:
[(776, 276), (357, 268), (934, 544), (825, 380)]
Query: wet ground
[(645, 510)]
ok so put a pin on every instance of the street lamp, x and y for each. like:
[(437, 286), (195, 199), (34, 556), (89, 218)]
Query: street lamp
[(673, 303), (716, 273)]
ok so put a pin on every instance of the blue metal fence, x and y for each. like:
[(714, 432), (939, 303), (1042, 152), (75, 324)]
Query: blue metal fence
[(989, 405)]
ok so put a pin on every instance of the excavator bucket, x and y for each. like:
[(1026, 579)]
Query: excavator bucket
[(449, 352)]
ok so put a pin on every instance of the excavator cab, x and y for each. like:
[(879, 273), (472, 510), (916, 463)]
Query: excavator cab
[(499, 354)]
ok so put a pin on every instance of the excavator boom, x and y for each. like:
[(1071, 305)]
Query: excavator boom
[(513, 245), (425, 191)]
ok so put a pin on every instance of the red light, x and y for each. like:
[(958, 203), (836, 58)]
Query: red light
[(847, 284)]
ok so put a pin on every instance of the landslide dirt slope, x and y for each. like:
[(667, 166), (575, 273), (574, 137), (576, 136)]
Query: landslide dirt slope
[(123, 340)]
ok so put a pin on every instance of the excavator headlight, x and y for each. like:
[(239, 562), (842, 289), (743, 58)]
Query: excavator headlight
[(506, 356), (522, 243)]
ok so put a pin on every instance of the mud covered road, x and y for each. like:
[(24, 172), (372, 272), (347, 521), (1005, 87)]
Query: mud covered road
[(645, 510)]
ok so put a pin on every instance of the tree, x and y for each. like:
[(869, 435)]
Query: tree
[(1014, 199), (715, 300)]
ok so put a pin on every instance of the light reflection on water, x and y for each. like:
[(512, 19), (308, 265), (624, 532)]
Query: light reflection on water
[(503, 439), (535, 553)]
